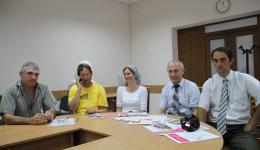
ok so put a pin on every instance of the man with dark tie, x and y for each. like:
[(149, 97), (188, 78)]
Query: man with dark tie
[(180, 96), (224, 102)]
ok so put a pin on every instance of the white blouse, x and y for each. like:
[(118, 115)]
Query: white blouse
[(132, 101)]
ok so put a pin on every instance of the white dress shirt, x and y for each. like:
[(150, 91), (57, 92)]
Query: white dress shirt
[(240, 87)]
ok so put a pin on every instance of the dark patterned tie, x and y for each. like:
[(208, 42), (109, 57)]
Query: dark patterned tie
[(221, 124), (176, 98)]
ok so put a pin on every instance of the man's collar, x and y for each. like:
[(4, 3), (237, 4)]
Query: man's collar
[(230, 76), (19, 84), (180, 83)]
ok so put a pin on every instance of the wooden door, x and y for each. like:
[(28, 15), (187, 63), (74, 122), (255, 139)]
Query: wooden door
[(233, 39), (191, 50)]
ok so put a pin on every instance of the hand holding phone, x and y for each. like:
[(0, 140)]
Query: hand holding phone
[(79, 82)]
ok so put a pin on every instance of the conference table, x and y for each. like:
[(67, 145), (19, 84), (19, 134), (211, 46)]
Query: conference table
[(95, 134)]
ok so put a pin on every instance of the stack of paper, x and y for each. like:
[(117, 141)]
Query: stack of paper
[(62, 122), (173, 130)]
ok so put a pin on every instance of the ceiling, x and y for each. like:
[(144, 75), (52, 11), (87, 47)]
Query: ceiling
[(128, 1)]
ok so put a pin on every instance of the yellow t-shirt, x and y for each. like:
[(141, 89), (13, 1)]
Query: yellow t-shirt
[(90, 97)]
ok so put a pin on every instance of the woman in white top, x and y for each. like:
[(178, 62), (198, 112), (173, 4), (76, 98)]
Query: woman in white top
[(132, 97)]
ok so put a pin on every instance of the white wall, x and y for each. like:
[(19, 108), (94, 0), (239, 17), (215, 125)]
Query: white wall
[(58, 34), (154, 36)]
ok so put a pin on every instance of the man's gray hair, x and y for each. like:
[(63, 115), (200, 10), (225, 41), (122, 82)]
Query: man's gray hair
[(176, 62), (29, 65)]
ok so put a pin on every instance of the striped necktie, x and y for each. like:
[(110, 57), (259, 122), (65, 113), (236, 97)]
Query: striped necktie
[(221, 124), (176, 98)]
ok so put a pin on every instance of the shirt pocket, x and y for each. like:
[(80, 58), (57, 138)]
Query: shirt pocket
[(239, 100)]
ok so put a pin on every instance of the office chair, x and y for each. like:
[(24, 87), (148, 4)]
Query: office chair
[(64, 107), (148, 100), (1, 116), (1, 120)]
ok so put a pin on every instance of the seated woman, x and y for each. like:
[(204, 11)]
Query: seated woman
[(132, 97)]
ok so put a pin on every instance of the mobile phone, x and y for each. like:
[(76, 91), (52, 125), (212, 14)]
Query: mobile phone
[(80, 81)]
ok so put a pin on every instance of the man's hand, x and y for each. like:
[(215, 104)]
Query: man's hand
[(91, 110), (249, 127), (78, 83), (49, 115), (38, 119)]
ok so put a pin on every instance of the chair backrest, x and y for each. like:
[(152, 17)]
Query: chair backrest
[(64, 103), (1, 122), (1, 119), (1, 115), (148, 100)]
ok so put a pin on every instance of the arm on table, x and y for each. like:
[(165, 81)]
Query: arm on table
[(35, 120), (162, 111), (202, 114), (50, 114), (195, 111)]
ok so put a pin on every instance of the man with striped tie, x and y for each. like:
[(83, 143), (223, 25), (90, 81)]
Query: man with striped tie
[(224, 102), (180, 96)]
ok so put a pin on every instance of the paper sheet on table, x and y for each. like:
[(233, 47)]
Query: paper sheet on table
[(128, 114), (161, 130), (151, 119), (158, 118), (62, 122), (95, 116), (185, 137)]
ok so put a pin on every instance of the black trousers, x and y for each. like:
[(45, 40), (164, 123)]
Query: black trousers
[(237, 138)]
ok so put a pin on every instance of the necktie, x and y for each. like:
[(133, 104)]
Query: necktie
[(221, 124), (176, 99)]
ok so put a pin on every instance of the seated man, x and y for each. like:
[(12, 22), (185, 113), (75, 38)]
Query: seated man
[(224, 102), (180, 96), (26, 101), (86, 96)]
